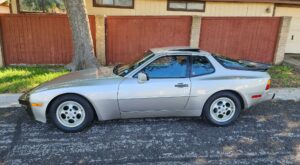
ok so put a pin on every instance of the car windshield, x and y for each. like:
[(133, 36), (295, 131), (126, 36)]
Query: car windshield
[(123, 70)]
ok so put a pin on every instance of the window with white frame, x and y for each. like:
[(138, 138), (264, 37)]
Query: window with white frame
[(114, 3), (186, 5)]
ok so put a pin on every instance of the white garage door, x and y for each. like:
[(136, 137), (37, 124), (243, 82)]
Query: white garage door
[(293, 44)]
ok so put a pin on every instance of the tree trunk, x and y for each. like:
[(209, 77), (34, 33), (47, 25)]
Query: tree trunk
[(84, 55)]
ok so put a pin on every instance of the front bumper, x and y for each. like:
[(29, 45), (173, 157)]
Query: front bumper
[(24, 101)]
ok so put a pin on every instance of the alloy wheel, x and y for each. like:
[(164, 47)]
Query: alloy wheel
[(70, 114), (222, 109)]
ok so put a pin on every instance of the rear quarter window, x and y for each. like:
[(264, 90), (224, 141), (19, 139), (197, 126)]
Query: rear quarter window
[(201, 66)]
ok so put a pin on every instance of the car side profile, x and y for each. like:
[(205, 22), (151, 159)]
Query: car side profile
[(165, 82)]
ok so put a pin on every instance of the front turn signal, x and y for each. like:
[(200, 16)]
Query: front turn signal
[(36, 104)]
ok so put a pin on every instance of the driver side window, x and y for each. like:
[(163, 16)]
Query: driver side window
[(167, 67)]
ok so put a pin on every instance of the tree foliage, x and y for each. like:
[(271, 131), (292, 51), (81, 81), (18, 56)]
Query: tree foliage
[(42, 5)]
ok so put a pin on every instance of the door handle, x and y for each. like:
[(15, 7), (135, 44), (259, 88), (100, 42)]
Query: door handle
[(181, 85)]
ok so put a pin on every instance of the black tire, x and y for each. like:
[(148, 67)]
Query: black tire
[(88, 110), (235, 99)]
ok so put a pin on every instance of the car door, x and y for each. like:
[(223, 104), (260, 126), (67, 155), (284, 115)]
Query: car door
[(168, 87)]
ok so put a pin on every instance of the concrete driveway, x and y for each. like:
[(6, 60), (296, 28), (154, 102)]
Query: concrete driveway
[(267, 134)]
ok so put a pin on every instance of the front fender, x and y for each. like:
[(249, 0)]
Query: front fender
[(103, 99)]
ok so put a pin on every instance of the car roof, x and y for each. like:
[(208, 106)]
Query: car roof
[(177, 49)]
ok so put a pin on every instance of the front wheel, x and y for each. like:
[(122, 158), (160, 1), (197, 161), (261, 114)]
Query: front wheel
[(71, 113), (222, 109)]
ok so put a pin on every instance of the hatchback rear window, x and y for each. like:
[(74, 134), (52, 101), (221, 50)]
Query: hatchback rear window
[(231, 63)]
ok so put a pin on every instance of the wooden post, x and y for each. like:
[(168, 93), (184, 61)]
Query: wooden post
[(282, 40), (1, 57), (195, 32), (1, 47), (100, 39)]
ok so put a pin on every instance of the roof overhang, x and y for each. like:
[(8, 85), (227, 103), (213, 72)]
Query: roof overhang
[(4, 3), (260, 1)]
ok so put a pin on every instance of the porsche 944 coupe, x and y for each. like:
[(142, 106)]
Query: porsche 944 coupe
[(165, 82)]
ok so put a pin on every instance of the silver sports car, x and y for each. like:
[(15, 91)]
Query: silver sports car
[(165, 82)]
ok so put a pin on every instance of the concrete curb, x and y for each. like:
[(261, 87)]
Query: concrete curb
[(11, 100), (287, 94)]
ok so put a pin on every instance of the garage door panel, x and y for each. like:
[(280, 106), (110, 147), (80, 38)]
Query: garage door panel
[(128, 37), (294, 37), (295, 23), (38, 38), (293, 43), (249, 38)]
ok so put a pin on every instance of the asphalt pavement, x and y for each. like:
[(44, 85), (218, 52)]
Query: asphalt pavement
[(268, 133)]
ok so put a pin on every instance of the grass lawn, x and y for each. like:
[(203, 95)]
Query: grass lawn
[(284, 76), (18, 79)]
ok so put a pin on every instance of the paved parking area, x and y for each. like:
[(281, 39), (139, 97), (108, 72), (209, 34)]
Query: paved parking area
[(269, 133)]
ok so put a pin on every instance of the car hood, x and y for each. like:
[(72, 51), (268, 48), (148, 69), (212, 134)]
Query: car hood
[(81, 78)]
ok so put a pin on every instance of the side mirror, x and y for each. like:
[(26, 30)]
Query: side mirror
[(142, 77)]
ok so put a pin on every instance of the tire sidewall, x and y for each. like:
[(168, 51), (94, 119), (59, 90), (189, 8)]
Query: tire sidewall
[(89, 113), (216, 96)]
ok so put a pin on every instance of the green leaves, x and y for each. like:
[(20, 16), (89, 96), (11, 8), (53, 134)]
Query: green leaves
[(48, 6)]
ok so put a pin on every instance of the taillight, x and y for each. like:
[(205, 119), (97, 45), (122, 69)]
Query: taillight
[(268, 85)]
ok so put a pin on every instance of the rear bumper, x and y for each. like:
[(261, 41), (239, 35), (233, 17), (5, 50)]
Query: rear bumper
[(267, 96)]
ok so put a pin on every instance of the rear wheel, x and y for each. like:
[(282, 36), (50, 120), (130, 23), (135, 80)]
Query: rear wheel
[(222, 109), (71, 113)]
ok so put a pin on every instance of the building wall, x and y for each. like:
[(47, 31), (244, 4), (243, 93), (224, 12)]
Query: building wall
[(4, 9), (238, 9), (159, 7), (14, 9), (293, 39), (288, 11)]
